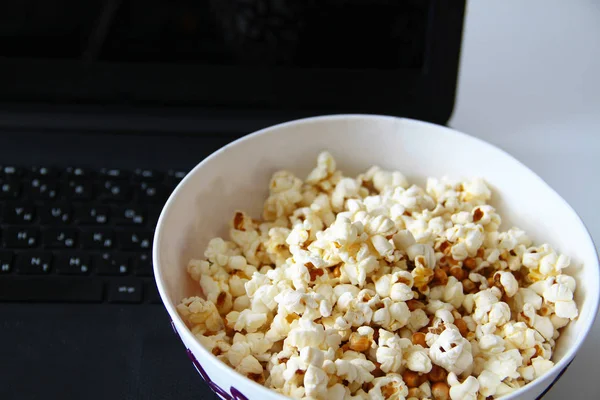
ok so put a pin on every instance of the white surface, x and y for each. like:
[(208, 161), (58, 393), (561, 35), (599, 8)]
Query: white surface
[(232, 179), (530, 83)]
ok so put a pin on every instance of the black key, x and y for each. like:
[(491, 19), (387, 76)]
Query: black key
[(152, 193), (20, 237), (125, 292), (129, 216), (34, 262), (135, 240), (42, 189), (64, 289), (79, 190), (111, 264), (152, 293), (114, 173), (73, 264), (20, 214), (6, 261), (9, 189), (176, 176), (147, 175), (44, 172), (60, 238), (143, 264), (78, 173), (114, 191), (58, 214), (92, 215), (10, 171), (98, 239)]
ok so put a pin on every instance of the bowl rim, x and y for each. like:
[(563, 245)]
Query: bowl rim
[(208, 356)]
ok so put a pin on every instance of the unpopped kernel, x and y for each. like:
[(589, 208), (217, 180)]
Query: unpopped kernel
[(373, 288)]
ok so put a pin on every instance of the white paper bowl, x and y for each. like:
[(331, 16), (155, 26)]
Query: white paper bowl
[(237, 177)]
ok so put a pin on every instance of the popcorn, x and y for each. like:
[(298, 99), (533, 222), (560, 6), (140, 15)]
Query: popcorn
[(499, 314), (453, 292), (508, 282), (354, 367), (247, 320), (562, 297), (451, 351), (518, 335), (417, 359), (372, 288), (307, 333), (249, 365), (388, 387), (540, 366), (488, 383), (526, 296), (417, 320), (201, 314), (216, 344), (385, 179), (463, 391), (505, 364)]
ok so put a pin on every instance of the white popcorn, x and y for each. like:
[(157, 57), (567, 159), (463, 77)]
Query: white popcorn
[(354, 367), (422, 252), (562, 297), (346, 188), (216, 344), (417, 320), (453, 292), (508, 282), (566, 309), (499, 314), (247, 320), (463, 391), (518, 335), (488, 383), (558, 322), (526, 296), (401, 292), (202, 314), (389, 387), (307, 333), (393, 315), (403, 239), (249, 365), (293, 301), (527, 373), (540, 366), (385, 179), (417, 359), (390, 359), (337, 392), (505, 364), (315, 381), (491, 344), (567, 280), (451, 351)]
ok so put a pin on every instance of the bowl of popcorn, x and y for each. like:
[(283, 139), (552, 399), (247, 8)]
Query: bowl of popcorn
[(373, 257)]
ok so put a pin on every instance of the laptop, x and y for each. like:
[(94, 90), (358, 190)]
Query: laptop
[(105, 106)]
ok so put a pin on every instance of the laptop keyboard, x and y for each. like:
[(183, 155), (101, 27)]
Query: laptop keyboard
[(80, 235)]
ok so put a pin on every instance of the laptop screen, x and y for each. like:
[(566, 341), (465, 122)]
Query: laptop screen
[(325, 34), (325, 56)]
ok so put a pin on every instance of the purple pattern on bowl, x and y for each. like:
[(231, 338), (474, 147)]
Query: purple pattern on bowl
[(235, 394)]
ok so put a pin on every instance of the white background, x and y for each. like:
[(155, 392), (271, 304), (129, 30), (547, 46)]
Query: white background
[(530, 83)]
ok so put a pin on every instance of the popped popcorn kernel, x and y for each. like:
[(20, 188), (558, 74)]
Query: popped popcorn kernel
[(371, 287)]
